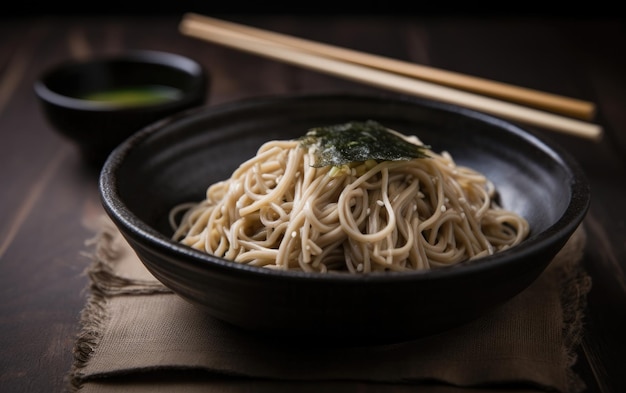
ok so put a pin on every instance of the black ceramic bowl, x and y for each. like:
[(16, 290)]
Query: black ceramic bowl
[(177, 160), (99, 102)]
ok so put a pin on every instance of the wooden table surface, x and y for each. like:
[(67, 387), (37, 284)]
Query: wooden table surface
[(49, 199)]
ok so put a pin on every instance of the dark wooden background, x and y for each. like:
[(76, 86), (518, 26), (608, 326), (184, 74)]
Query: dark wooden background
[(49, 198)]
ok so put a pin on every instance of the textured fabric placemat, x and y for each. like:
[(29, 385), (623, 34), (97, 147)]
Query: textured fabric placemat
[(137, 336)]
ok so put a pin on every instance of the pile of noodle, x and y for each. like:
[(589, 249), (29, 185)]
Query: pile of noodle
[(278, 211)]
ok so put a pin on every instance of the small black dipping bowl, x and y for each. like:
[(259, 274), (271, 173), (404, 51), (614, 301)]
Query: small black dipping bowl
[(99, 102)]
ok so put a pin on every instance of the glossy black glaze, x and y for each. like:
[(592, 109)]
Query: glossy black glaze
[(97, 127), (176, 160)]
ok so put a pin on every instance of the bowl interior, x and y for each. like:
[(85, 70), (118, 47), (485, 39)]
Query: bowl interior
[(531, 178), (175, 161), (73, 83)]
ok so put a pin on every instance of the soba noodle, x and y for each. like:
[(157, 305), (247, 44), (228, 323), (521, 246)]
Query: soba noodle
[(279, 211)]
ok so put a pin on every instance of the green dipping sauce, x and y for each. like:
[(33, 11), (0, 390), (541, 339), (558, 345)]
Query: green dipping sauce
[(135, 95)]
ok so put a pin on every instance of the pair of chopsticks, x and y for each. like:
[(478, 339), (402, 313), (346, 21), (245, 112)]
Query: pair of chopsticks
[(549, 111)]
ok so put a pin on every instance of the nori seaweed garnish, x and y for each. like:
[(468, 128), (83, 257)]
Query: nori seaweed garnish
[(354, 141)]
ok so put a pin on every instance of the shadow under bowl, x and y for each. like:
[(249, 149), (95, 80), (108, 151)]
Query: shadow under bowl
[(175, 161), (99, 102)]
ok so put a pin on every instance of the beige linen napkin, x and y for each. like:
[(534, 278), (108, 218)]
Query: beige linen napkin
[(137, 336)]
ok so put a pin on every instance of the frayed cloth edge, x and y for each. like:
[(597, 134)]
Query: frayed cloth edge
[(575, 286), (103, 282)]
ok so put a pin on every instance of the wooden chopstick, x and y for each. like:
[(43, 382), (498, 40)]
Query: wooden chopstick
[(249, 40), (555, 103)]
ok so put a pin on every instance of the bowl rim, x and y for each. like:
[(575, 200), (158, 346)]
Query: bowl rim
[(555, 235), (171, 60)]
